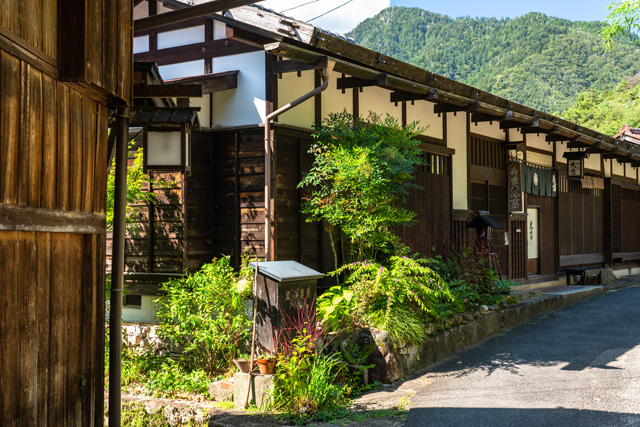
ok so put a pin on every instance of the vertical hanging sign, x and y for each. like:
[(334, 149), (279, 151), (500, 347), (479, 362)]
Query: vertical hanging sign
[(515, 187)]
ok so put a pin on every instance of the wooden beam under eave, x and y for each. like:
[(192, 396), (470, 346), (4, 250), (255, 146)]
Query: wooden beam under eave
[(292, 66), (167, 91), (188, 13), (204, 50), (401, 96), (210, 83), (355, 82), (247, 37), (452, 108)]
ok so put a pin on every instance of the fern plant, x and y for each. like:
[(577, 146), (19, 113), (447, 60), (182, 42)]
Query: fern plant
[(398, 297)]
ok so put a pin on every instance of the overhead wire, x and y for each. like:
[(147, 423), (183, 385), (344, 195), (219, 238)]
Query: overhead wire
[(300, 5), (329, 11)]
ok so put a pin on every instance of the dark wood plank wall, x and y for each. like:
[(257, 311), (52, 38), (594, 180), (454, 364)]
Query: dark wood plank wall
[(432, 206), (154, 242), (53, 139), (581, 223), (488, 187), (96, 45), (237, 214), (547, 227), (297, 239), (199, 202), (51, 277), (517, 247), (630, 210)]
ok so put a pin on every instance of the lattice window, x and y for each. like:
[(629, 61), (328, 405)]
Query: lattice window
[(487, 152)]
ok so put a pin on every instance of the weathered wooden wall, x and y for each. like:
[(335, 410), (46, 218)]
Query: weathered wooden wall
[(53, 143), (432, 205), (581, 223), (237, 195), (52, 158)]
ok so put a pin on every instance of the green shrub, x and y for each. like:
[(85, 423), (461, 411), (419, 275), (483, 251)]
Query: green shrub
[(171, 378), (398, 298), (334, 307), (205, 313), (361, 175), (306, 380)]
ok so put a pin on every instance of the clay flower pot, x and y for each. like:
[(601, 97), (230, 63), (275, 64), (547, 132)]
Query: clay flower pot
[(266, 365), (242, 364)]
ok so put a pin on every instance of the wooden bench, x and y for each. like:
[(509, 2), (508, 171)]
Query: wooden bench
[(582, 272)]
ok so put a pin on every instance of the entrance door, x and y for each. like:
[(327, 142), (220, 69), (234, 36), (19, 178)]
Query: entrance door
[(533, 240)]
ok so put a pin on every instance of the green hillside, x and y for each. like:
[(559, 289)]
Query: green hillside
[(537, 60), (606, 111)]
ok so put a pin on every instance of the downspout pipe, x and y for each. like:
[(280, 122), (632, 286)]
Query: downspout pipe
[(117, 267), (269, 205)]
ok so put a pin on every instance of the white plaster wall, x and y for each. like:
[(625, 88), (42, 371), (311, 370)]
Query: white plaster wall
[(145, 313), (140, 44), (538, 141), (334, 101), (204, 115), (422, 112), (457, 139), (183, 69), (593, 162), (219, 30), (606, 168), (631, 172), (141, 10), (376, 99), (490, 129), (618, 169), (290, 87), (246, 104), (181, 37)]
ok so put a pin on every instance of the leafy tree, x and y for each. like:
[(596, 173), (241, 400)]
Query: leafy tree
[(361, 175), (136, 182), (623, 19)]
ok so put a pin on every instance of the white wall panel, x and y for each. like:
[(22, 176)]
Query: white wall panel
[(457, 139)]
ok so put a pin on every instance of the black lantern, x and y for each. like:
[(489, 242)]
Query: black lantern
[(167, 138), (575, 163)]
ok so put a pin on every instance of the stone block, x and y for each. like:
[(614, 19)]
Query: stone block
[(261, 388), (220, 392)]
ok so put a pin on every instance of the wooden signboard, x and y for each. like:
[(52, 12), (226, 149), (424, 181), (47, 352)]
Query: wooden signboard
[(515, 187)]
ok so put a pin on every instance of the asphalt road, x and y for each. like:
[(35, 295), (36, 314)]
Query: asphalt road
[(579, 366)]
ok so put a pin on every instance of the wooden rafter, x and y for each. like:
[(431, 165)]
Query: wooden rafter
[(188, 13), (192, 52), (452, 108), (167, 91), (210, 83), (400, 96), (247, 37), (291, 66), (351, 82)]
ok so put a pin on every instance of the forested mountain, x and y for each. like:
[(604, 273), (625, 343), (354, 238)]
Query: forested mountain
[(607, 111), (537, 60)]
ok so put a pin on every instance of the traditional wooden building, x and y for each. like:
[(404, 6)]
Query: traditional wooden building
[(564, 195), (63, 65)]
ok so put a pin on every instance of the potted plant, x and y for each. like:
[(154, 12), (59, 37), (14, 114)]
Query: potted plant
[(242, 362), (266, 362)]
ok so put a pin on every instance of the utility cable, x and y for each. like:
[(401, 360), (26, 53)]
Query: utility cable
[(326, 13), (300, 5)]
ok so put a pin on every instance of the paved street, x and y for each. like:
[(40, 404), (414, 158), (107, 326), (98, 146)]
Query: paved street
[(579, 366)]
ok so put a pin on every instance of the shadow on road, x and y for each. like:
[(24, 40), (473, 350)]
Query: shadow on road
[(470, 417), (594, 334)]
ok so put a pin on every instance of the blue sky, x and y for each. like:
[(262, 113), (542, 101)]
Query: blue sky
[(348, 13), (575, 10)]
